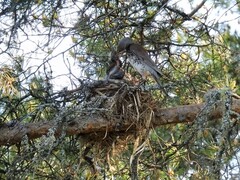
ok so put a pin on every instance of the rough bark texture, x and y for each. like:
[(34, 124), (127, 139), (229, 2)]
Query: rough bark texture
[(13, 134)]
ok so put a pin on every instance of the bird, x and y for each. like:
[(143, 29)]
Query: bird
[(114, 71), (140, 60)]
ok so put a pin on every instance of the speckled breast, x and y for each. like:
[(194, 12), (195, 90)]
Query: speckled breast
[(138, 65)]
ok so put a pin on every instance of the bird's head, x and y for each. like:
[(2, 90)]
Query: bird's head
[(123, 44), (114, 58)]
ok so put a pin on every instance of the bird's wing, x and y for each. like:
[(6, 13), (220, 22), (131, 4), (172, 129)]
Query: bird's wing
[(142, 54)]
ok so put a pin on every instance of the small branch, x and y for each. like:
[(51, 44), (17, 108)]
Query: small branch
[(183, 14), (197, 8)]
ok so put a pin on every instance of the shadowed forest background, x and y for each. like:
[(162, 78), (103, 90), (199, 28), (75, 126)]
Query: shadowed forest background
[(59, 119)]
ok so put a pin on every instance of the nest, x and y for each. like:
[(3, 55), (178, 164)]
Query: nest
[(121, 103)]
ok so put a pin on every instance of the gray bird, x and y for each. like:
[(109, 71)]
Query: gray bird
[(115, 71), (140, 60)]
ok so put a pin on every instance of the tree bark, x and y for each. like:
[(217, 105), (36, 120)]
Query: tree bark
[(182, 114)]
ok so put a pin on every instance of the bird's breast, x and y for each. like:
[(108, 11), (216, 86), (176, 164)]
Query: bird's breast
[(138, 65)]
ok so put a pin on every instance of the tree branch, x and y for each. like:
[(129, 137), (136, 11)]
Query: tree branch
[(85, 125), (197, 8)]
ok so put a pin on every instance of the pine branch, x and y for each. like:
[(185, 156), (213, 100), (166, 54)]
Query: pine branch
[(83, 125)]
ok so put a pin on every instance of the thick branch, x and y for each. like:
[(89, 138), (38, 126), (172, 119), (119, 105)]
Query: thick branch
[(85, 125)]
